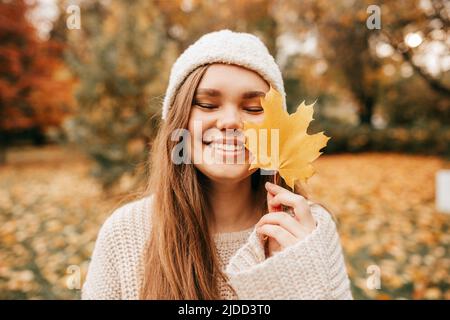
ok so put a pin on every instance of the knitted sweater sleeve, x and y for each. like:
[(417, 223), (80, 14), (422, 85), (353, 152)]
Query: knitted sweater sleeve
[(313, 268), (102, 280)]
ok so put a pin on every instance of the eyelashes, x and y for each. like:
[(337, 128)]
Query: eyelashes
[(206, 106), (253, 109)]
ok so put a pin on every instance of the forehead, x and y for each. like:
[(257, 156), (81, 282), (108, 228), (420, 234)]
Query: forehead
[(232, 77)]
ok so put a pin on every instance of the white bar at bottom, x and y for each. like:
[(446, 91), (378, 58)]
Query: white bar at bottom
[(443, 191)]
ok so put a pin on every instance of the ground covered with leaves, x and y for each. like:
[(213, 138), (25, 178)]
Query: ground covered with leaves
[(51, 211)]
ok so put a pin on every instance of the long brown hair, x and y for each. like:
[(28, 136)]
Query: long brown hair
[(181, 261)]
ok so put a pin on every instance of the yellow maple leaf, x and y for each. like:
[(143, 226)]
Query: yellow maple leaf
[(288, 150)]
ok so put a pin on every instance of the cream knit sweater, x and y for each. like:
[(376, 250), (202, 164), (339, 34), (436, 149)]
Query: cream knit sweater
[(313, 268)]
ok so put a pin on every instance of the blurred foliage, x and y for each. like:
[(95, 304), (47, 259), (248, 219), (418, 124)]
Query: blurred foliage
[(411, 102), (420, 139), (51, 211), (337, 52), (119, 57), (35, 87)]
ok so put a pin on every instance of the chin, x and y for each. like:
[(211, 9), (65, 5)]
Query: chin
[(226, 172), (220, 171)]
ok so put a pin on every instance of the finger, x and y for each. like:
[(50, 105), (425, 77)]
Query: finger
[(283, 237), (298, 203), (274, 188), (287, 199), (271, 208), (272, 247), (272, 191), (285, 221)]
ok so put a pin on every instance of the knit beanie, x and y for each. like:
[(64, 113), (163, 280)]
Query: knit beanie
[(224, 46)]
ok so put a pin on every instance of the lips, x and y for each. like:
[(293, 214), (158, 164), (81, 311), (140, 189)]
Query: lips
[(236, 141), (226, 145)]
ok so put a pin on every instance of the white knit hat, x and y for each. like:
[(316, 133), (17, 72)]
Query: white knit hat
[(224, 46)]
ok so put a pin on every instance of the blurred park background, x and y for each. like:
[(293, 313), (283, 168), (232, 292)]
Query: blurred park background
[(81, 86)]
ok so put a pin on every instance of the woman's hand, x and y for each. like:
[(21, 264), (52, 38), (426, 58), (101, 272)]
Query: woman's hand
[(282, 228)]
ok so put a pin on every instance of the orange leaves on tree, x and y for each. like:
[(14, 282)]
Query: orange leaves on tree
[(280, 142), (35, 85)]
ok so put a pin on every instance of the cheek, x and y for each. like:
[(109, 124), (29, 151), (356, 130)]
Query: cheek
[(197, 126), (199, 121), (259, 118)]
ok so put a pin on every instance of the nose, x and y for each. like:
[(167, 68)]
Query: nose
[(230, 118)]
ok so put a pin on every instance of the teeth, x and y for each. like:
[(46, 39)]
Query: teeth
[(227, 147)]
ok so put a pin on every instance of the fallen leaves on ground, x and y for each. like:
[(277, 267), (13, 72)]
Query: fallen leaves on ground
[(50, 213), (384, 204)]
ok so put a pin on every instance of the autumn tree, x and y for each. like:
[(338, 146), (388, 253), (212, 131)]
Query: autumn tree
[(185, 21), (119, 57), (34, 88), (415, 27), (352, 49)]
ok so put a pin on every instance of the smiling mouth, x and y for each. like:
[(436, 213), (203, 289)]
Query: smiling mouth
[(226, 145)]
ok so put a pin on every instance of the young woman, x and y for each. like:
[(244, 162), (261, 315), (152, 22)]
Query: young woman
[(208, 228)]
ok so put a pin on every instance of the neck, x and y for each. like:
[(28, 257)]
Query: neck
[(233, 208)]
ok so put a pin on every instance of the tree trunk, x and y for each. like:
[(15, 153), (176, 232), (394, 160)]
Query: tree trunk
[(2, 154), (365, 116)]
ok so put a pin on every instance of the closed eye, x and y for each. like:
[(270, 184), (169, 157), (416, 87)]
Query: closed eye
[(205, 105), (254, 109)]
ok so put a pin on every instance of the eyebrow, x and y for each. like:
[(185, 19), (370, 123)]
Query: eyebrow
[(216, 93)]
